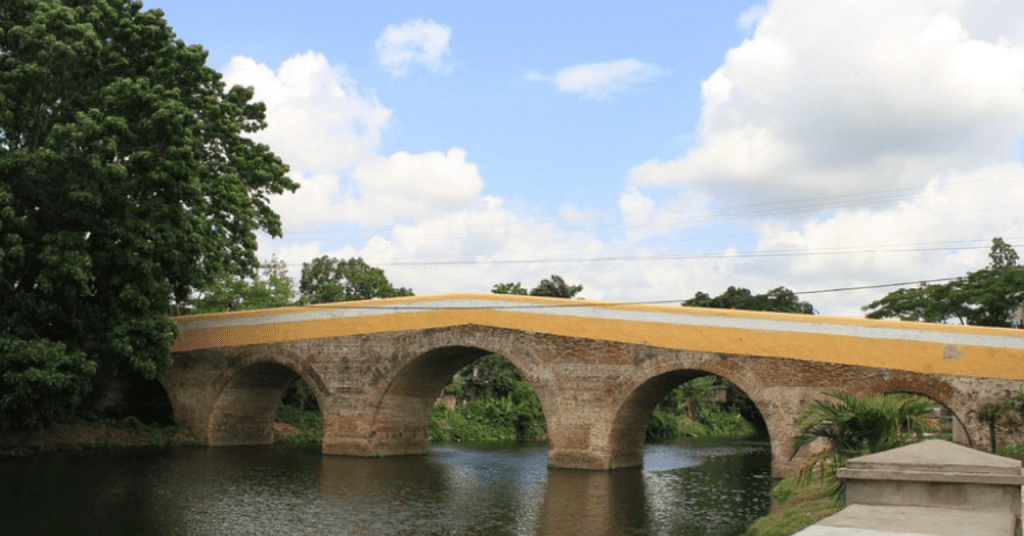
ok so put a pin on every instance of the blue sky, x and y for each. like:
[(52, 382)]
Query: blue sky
[(646, 151)]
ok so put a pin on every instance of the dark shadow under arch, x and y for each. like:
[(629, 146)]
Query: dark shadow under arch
[(628, 433), (243, 413), (402, 414), (131, 394)]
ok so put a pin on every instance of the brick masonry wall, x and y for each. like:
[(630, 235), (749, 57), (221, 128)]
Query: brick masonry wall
[(376, 390)]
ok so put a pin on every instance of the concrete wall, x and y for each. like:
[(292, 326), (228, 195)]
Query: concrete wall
[(931, 487)]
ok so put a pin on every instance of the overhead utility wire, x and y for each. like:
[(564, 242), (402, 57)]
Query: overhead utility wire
[(764, 254), (844, 289), (586, 303)]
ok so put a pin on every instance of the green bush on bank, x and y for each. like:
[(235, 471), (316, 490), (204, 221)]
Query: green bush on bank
[(709, 422), (688, 411), (493, 403), (1012, 451), (309, 422), (41, 382), (516, 416)]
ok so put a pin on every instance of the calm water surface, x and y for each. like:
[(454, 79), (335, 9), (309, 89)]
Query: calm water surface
[(687, 488)]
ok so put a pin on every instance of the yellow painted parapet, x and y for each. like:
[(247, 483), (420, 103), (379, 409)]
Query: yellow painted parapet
[(918, 347)]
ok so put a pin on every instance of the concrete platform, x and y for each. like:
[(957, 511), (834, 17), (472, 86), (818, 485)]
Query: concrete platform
[(872, 520)]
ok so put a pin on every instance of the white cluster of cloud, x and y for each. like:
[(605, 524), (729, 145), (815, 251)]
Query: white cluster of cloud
[(891, 122), (329, 132), (916, 106), (429, 206), (601, 81), (837, 97), (416, 42), (316, 115)]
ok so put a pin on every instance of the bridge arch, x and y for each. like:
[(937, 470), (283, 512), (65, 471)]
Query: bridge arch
[(633, 409), (399, 404), (248, 393), (930, 387)]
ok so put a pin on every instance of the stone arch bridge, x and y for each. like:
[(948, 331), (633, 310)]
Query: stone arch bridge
[(377, 367)]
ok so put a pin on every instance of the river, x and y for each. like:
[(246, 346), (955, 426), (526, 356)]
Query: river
[(691, 487)]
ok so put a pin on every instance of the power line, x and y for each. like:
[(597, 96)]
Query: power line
[(695, 256), (843, 289), (913, 247), (586, 303)]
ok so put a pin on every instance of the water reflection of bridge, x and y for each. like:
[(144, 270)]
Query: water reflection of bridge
[(598, 368)]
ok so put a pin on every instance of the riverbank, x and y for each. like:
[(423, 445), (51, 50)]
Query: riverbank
[(124, 433), (85, 434), (796, 504)]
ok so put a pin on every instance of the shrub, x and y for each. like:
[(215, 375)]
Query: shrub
[(1012, 451), (495, 404), (671, 418), (309, 422), (41, 381), (513, 417), (856, 426)]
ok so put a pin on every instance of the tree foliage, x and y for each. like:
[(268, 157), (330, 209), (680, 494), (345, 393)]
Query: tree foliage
[(856, 426), (509, 288), (128, 180), (555, 287), (987, 297), (41, 382), (781, 300), (272, 287), (494, 403), (691, 410), (326, 279), (489, 376)]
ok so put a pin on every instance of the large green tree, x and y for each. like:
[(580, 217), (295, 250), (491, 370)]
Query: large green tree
[(987, 297), (327, 279), (128, 181), (781, 300)]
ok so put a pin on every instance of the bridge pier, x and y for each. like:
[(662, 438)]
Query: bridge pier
[(230, 396)]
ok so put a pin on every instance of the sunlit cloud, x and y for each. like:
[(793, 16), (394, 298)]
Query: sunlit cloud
[(416, 42), (601, 81)]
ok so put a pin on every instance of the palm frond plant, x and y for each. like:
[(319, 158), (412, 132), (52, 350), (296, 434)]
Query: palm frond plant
[(856, 426)]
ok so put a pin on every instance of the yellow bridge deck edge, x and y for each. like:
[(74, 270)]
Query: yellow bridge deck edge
[(918, 347)]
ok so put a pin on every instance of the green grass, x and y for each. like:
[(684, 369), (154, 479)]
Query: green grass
[(797, 504), (718, 425), (1012, 451)]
